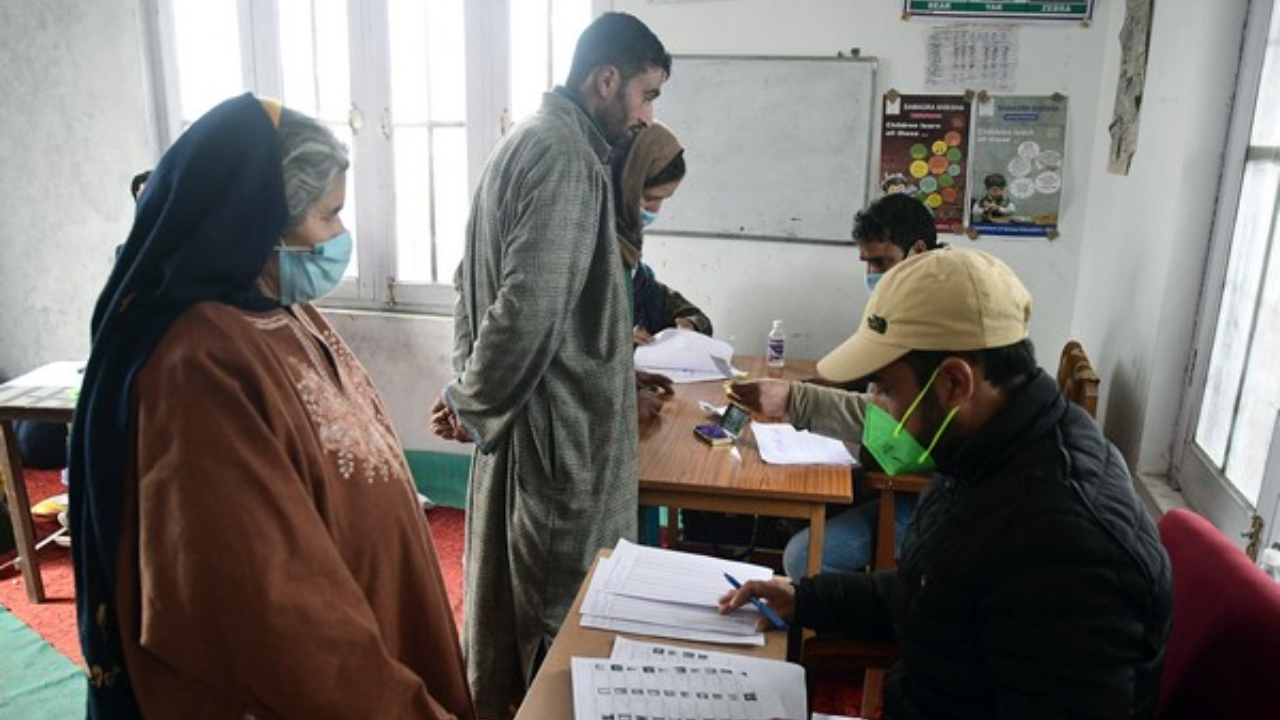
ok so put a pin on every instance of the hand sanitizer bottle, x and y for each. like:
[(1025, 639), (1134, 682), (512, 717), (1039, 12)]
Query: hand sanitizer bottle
[(776, 349)]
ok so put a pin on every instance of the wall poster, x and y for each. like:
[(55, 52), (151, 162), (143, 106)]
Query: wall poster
[(1019, 142), (924, 151)]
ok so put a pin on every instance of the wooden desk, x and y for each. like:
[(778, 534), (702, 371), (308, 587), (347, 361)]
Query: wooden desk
[(679, 471), (47, 394), (551, 695)]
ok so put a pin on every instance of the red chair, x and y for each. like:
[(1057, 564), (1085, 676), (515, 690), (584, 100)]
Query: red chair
[(1222, 660)]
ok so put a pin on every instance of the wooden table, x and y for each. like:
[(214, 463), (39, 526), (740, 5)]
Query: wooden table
[(679, 471), (551, 695), (47, 394)]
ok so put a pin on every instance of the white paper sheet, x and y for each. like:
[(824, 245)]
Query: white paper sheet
[(675, 577), (608, 689), (665, 593), (686, 356), (706, 618), (63, 373), (782, 444), (784, 679), (635, 627)]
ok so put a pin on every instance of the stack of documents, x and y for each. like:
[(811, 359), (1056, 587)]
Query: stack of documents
[(782, 444), (665, 681), (686, 356), (664, 593)]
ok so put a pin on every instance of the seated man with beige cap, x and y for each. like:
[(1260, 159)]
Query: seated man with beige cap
[(1032, 584)]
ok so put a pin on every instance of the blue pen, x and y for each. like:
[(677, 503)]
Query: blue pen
[(768, 611)]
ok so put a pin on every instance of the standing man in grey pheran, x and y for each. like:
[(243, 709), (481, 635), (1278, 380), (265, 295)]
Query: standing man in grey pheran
[(545, 382)]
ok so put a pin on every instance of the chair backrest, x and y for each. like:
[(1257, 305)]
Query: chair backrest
[(1223, 655), (1077, 379)]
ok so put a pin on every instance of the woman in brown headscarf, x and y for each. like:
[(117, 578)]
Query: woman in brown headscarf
[(647, 169)]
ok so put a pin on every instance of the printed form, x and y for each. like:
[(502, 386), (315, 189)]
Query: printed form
[(652, 591)]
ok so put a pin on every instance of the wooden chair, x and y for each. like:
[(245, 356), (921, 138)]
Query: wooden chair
[(1077, 379), (825, 654)]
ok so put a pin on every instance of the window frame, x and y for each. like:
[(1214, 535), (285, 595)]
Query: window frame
[(1206, 486), (488, 89)]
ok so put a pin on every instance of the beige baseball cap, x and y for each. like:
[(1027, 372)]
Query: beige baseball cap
[(947, 299)]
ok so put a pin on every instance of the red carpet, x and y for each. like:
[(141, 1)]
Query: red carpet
[(55, 619)]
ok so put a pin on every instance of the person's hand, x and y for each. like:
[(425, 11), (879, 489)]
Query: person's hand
[(654, 383), (765, 397), (641, 336), (652, 390), (778, 593), (445, 424), (648, 406)]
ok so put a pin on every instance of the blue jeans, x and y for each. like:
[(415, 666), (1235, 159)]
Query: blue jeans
[(849, 538)]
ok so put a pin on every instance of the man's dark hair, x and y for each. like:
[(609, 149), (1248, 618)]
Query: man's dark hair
[(994, 180), (1007, 368), (137, 182), (620, 40), (900, 219)]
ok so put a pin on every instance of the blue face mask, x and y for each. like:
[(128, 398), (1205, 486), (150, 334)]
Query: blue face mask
[(309, 273), (872, 279), (647, 218)]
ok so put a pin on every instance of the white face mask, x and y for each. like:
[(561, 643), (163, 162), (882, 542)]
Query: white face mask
[(647, 217)]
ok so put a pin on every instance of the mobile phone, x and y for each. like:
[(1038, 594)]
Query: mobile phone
[(731, 424), (713, 434)]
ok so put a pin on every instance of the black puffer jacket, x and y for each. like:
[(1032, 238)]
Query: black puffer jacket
[(1032, 582)]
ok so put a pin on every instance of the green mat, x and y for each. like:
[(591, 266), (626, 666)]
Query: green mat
[(442, 476), (36, 681)]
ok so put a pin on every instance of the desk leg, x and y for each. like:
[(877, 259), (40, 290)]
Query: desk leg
[(15, 494), (817, 527)]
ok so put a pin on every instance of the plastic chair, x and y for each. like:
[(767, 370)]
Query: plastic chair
[(1220, 659)]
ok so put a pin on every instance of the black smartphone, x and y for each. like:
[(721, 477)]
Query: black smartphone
[(731, 424)]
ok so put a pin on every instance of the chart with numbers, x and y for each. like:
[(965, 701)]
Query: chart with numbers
[(610, 690)]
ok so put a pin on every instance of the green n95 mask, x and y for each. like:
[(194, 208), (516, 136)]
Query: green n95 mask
[(893, 447)]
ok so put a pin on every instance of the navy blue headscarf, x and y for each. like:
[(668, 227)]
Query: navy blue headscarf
[(213, 210)]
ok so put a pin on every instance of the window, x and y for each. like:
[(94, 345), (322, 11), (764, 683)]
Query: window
[(1229, 427), (419, 90)]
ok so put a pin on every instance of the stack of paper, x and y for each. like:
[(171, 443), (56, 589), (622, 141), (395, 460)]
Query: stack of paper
[(782, 444), (686, 356), (665, 681), (651, 591)]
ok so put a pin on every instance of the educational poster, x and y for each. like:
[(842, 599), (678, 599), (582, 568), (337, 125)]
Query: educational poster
[(1016, 180), (924, 151)]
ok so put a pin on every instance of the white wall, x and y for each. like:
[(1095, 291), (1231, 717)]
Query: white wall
[(76, 126), (409, 359), (818, 290), (1124, 276), (1148, 232)]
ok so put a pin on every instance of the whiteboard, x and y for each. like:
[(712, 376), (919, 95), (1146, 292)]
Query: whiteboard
[(777, 148)]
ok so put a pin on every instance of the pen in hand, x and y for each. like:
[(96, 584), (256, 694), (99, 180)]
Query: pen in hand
[(767, 611)]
